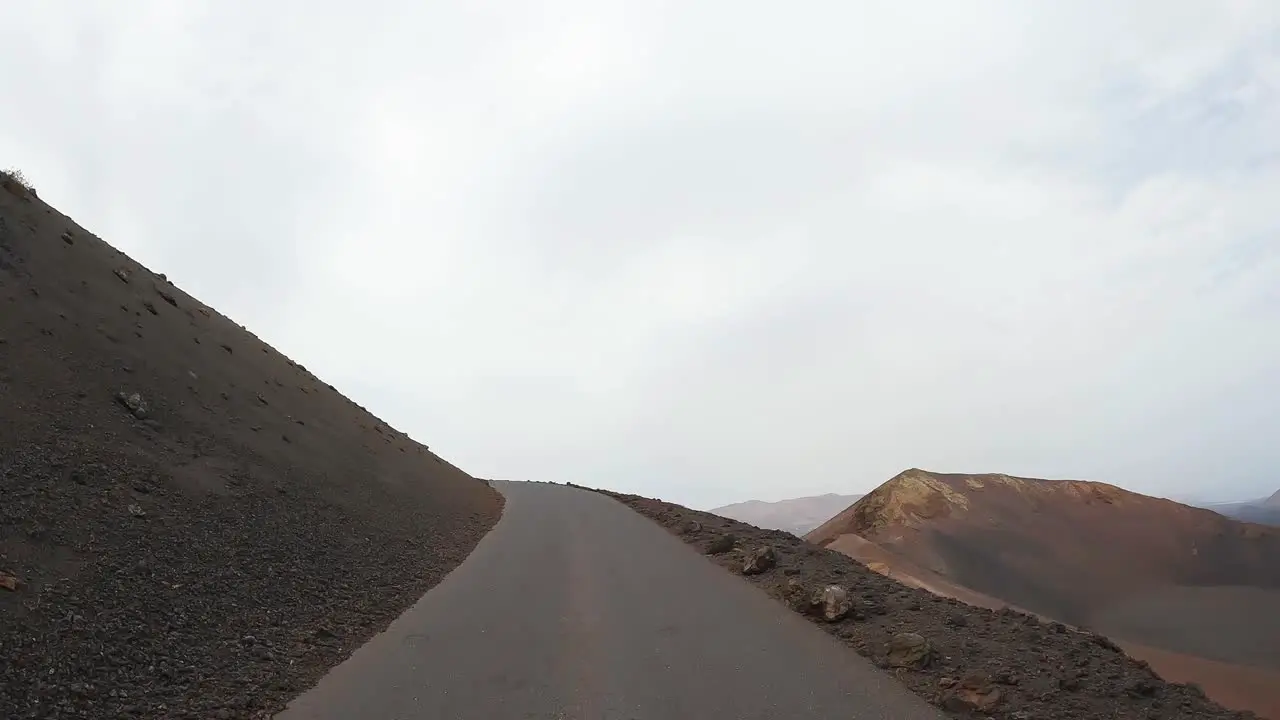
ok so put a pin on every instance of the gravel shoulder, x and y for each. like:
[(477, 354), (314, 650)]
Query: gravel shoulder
[(969, 661)]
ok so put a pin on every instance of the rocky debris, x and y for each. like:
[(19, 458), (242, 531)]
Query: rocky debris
[(167, 297), (970, 662), (693, 526), (909, 650), (134, 403), (9, 582), (136, 510), (68, 238), (123, 274), (799, 598), (835, 603), (722, 544), (761, 560), (973, 695), (150, 306)]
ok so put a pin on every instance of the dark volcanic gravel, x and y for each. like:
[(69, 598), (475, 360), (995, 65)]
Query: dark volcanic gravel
[(1016, 666), (209, 548)]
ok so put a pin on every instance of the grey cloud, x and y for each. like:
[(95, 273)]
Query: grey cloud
[(709, 251)]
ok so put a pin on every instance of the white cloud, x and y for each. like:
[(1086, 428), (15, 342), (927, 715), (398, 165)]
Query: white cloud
[(710, 251)]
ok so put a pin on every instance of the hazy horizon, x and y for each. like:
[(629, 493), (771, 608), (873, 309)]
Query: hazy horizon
[(709, 252)]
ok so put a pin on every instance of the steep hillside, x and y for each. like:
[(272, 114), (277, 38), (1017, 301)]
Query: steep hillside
[(795, 515), (191, 524), (1145, 570)]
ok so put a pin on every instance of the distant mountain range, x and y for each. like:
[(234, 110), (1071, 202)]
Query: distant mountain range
[(796, 515), (1265, 511)]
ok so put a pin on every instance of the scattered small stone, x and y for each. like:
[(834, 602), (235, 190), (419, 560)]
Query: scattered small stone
[(835, 603), (909, 650), (134, 403), (799, 598), (9, 582), (68, 238), (137, 511), (722, 544), (167, 297), (123, 275), (973, 694), (226, 347), (151, 308), (761, 560)]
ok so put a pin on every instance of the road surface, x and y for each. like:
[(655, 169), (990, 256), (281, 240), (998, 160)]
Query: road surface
[(576, 608)]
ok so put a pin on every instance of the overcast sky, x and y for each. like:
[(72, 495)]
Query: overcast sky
[(709, 251)]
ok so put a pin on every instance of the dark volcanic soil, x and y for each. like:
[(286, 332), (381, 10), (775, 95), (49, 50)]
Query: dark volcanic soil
[(1025, 668), (209, 556)]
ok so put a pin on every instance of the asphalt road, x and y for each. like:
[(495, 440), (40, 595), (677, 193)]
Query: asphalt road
[(575, 607)]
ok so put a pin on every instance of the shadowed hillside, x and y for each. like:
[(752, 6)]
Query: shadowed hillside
[(193, 524)]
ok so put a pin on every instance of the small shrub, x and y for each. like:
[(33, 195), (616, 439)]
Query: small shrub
[(15, 182)]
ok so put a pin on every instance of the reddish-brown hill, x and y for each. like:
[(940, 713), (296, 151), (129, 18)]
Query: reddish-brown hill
[(1145, 570), (208, 555), (1082, 552)]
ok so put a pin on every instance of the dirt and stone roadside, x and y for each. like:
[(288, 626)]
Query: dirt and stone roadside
[(972, 662)]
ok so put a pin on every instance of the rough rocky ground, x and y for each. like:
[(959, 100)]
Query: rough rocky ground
[(972, 662), (208, 548)]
